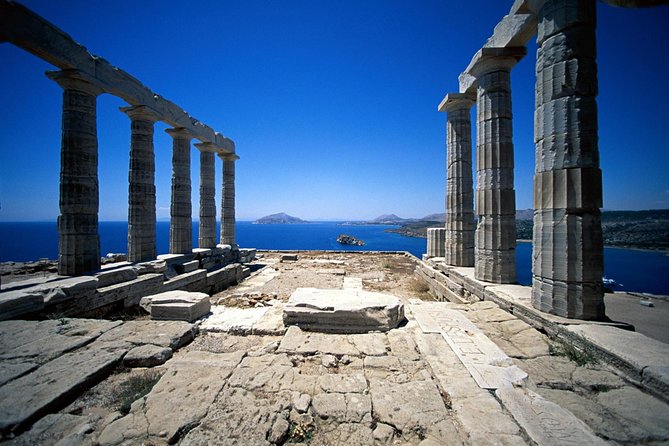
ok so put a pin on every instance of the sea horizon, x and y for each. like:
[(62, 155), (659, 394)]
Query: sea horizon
[(635, 269)]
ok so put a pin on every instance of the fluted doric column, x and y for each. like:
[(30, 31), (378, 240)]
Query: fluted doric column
[(207, 227), (435, 242), (141, 185), (78, 239), (181, 230), (228, 200), (459, 235), (567, 246), (495, 252)]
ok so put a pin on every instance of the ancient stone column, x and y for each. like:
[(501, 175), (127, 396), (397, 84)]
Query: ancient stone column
[(142, 188), (495, 252), (436, 242), (459, 235), (207, 234), (181, 231), (567, 246), (78, 239), (228, 200)]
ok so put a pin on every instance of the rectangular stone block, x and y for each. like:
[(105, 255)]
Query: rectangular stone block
[(193, 281), (223, 278), (110, 276), (187, 267), (17, 303), (177, 305)]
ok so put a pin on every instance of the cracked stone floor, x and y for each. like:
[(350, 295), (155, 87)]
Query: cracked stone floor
[(403, 387)]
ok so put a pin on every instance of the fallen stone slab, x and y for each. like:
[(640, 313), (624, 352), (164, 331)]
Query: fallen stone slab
[(486, 362), (64, 289), (296, 341), (147, 356), (113, 275), (53, 386), (233, 320), (270, 323), (545, 422), (176, 305), (172, 334), (342, 311), (180, 399), (17, 303), (187, 267), (10, 371), (152, 267), (192, 281), (58, 429), (41, 341)]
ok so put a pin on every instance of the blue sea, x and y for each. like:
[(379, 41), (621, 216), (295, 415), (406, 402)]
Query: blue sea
[(635, 270)]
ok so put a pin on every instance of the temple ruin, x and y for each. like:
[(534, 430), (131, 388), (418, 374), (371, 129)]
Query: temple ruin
[(83, 77), (567, 241)]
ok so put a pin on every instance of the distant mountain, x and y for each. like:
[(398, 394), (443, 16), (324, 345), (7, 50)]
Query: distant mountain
[(389, 219), (280, 218), (524, 214), (636, 229), (435, 217)]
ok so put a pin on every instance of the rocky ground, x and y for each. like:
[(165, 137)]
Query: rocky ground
[(409, 386)]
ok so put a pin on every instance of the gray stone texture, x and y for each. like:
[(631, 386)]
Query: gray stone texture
[(459, 237), (207, 234), (177, 305), (567, 240), (141, 187), (228, 201), (78, 239), (342, 311), (495, 196), (181, 235), (435, 242)]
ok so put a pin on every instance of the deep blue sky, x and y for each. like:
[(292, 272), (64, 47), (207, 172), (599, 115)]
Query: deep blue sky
[(332, 105)]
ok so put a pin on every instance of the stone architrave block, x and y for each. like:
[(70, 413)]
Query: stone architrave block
[(342, 311), (247, 255), (152, 267), (193, 281), (177, 306), (63, 289), (187, 267), (19, 302), (111, 276)]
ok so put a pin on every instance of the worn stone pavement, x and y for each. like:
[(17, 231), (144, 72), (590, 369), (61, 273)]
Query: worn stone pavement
[(406, 386)]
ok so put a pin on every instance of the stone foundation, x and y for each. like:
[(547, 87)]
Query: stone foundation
[(123, 284)]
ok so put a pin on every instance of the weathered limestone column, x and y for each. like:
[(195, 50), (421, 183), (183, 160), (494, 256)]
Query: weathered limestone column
[(436, 242), (142, 187), (228, 200), (459, 235), (495, 253), (78, 239), (181, 231), (567, 241), (207, 234)]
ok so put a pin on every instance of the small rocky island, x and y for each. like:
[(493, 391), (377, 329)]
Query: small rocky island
[(277, 219), (349, 240)]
